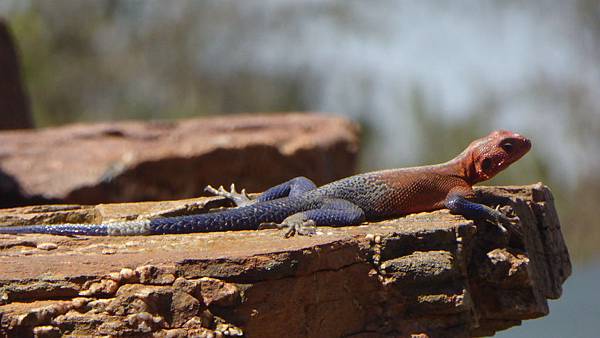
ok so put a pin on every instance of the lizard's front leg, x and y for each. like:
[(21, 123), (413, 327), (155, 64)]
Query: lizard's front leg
[(460, 205)]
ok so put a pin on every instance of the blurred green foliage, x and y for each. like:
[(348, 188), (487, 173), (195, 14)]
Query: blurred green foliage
[(74, 74)]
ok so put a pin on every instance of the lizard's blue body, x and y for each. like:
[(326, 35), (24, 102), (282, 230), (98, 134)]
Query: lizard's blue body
[(349, 201)]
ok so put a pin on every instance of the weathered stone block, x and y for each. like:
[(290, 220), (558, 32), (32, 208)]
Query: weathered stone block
[(424, 275)]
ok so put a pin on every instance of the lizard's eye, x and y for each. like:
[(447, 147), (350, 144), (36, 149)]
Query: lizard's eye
[(507, 146), (486, 164)]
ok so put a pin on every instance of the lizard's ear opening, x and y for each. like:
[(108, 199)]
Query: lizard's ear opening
[(486, 165), (484, 168)]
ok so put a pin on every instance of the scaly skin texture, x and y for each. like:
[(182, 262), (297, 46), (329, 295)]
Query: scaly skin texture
[(298, 204)]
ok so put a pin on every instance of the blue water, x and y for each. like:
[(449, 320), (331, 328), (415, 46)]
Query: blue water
[(575, 314)]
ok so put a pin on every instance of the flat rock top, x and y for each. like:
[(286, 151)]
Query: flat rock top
[(26, 256)]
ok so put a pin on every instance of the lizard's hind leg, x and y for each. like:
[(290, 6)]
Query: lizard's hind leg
[(293, 187), (333, 212)]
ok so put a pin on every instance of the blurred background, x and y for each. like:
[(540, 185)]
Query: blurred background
[(422, 78)]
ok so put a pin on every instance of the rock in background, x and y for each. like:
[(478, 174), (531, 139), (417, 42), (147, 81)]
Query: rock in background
[(14, 102), (137, 161)]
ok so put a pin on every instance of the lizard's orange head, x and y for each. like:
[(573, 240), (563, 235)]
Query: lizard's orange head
[(493, 153)]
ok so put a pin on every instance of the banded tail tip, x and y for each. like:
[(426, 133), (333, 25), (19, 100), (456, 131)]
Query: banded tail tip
[(128, 228)]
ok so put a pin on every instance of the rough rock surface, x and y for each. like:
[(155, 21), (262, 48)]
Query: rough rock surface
[(425, 275), (138, 161), (14, 103)]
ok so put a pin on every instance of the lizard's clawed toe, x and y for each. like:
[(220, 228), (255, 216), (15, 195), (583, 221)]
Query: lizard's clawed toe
[(240, 199), (305, 228), (293, 225), (509, 224)]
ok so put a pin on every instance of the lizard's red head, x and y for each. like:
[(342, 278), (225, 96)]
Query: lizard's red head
[(492, 154)]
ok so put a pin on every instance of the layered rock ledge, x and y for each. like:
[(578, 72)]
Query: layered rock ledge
[(426, 275)]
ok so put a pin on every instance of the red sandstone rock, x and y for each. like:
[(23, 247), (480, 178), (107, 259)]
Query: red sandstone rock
[(424, 275), (137, 161)]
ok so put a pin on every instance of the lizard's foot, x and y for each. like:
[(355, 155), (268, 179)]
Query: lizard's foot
[(240, 199), (295, 224), (508, 223)]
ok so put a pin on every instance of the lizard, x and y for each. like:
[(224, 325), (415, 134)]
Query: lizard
[(299, 206)]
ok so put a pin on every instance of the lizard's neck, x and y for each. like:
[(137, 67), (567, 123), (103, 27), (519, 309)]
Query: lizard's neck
[(461, 166)]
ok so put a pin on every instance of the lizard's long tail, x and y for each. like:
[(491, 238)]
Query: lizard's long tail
[(243, 218), (59, 229)]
